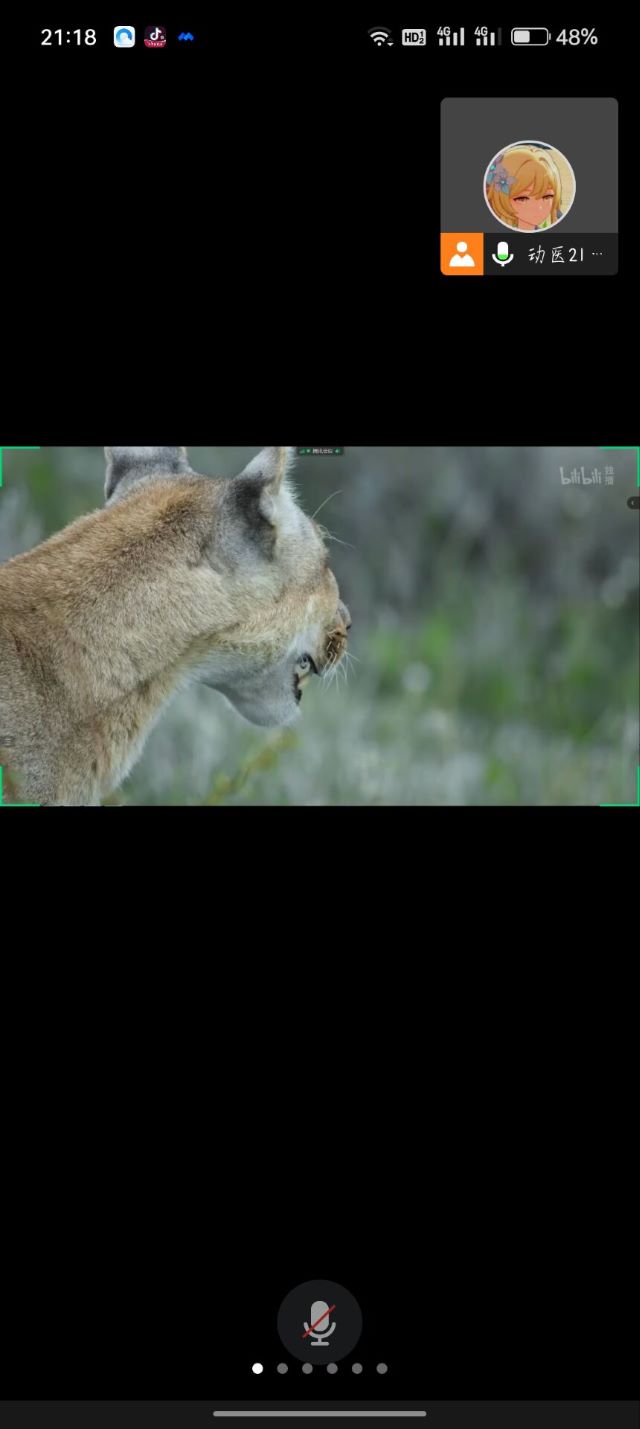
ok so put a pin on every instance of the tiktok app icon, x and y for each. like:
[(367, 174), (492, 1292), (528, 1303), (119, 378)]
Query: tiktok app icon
[(155, 37)]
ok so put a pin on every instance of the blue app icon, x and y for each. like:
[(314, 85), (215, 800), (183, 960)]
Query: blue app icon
[(124, 37)]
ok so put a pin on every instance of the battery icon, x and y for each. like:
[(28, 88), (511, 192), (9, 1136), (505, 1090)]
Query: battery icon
[(530, 37)]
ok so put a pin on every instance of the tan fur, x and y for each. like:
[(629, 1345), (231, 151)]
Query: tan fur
[(104, 622)]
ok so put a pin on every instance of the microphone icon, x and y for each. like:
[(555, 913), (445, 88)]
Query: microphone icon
[(319, 1328)]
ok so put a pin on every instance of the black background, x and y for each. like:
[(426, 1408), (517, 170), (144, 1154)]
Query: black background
[(243, 234), (467, 1173), (449, 1414), (240, 243)]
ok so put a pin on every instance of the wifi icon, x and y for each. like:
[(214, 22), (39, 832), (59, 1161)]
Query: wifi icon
[(381, 36)]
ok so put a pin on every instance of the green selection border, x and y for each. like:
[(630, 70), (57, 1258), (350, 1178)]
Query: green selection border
[(2, 452), (637, 802), (636, 805), (627, 449), (14, 449)]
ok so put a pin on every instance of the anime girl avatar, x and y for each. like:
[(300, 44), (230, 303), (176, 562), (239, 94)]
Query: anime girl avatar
[(523, 188)]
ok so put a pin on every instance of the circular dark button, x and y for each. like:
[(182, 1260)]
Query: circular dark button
[(320, 1322), (634, 503)]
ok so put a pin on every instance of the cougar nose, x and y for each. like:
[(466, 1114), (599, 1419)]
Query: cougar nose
[(345, 616)]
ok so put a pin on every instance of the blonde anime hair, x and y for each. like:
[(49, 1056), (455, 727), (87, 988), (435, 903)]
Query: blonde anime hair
[(520, 168)]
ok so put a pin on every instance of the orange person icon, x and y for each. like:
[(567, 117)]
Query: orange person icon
[(461, 253)]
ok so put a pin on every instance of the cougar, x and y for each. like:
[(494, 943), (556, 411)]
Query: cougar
[(179, 577)]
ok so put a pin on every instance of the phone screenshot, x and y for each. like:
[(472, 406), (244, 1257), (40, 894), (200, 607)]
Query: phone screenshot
[(266, 1174)]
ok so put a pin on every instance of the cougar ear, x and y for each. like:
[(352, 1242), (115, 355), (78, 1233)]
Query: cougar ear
[(261, 492), (271, 466), (126, 465), (259, 503), (263, 483)]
